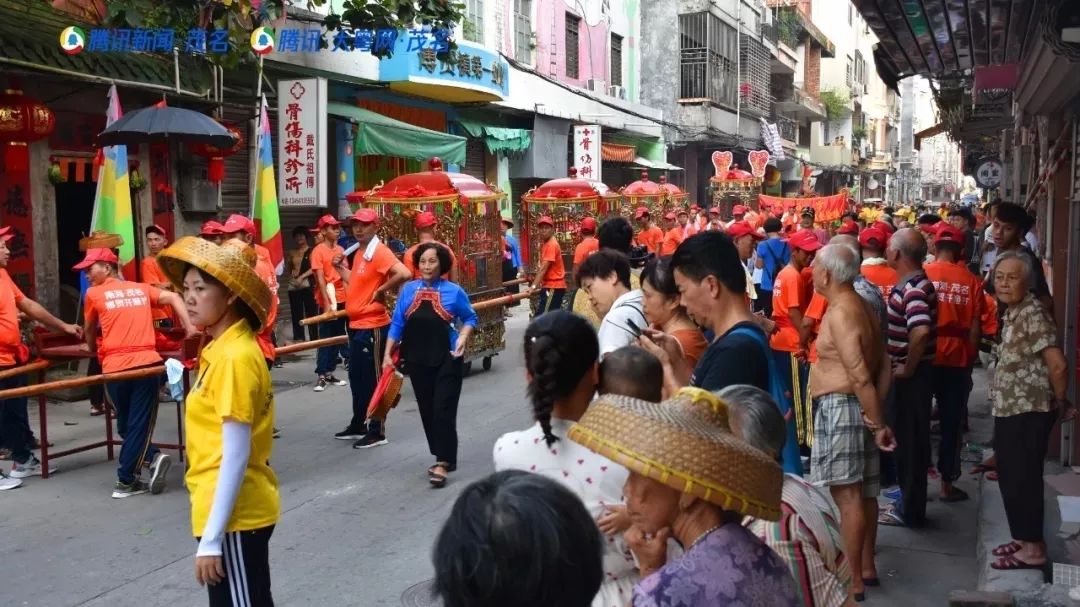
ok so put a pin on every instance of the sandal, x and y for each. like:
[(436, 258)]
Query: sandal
[(1011, 563), (955, 494), (982, 467), (96, 410), (436, 478), (1006, 549), (449, 467), (991, 476), (890, 518)]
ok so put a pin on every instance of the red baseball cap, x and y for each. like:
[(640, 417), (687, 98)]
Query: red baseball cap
[(884, 226), (805, 240), (849, 227), (156, 229), (365, 216), (641, 212), (682, 212), (545, 220), (948, 233), (94, 256), (326, 220), (695, 207), (5, 233), (931, 228), (874, 237), (425, 219), (238, 223), (588, 225), (738, 210), (714, 211), (742, 228), (211, 228), (670, 216)]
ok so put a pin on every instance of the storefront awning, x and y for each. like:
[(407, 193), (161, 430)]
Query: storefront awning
[(614, 152), (498, 139), (378, 135), (652, 164)]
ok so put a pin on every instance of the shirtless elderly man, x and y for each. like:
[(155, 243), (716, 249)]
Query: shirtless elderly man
[(848, 385)]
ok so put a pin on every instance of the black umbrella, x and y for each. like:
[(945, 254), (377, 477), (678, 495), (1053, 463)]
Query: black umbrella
[(161, 124)]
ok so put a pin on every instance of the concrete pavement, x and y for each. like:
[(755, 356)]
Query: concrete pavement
[(357, 526)]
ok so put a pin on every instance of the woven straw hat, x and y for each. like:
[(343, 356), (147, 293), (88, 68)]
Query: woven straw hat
[(226, 264), (684, 443)]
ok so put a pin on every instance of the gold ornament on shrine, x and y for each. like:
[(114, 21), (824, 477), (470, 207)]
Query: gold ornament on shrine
[(22, 121)]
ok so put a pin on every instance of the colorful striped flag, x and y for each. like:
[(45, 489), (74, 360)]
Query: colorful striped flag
[(112, 204), (264, 207)]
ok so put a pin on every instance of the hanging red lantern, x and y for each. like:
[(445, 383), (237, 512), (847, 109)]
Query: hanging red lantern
[(22, 121), (215, 168)]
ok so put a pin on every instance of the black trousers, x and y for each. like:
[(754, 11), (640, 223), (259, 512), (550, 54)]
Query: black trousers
[(550, 299), (15, 432), (1020, 442), (97, 391), (763, 303), (912, 428), (438, 391), (302, 305), (246, 558), (950, 387)]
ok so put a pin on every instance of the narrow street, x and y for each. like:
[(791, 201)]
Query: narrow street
[(357, 526)]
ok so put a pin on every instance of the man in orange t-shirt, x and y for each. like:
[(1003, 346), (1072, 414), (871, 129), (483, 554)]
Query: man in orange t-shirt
[(959, 327), (425, 231), (589, 243), (151, 274), (238, 226), (650, 235), (875, 269), (376, 272), (673, 236), (551, 274), (326, 258), (15, 432), (791, 297), (119, 330)]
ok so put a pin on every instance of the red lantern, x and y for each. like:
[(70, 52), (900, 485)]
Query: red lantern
[(215, 169), (22, 121)]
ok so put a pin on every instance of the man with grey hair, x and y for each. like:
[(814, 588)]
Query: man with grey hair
[(912, 343), (807, 536), (849, 383), (866, 289)]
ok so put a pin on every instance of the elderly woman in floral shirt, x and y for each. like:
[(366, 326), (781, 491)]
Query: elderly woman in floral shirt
[(1029, 398)]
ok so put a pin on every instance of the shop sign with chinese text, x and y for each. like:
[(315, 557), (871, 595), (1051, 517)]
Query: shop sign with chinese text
[(468, 73), (587, 151), (301, 135)]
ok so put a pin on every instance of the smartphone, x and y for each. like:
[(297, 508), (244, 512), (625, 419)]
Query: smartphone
[(636, 330)]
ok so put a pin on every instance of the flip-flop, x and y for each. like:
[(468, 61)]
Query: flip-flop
[(955, 494), (1006, 549), (871, 581), (437, 479), (991, 476), (982, 468), (1011, 563)]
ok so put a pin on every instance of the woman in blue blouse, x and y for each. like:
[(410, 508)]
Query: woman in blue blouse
[(424, 322)]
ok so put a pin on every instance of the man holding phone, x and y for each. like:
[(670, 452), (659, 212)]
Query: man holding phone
[(605, 278)]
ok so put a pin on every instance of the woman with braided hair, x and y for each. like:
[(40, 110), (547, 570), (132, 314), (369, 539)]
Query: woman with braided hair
[(561, 351)]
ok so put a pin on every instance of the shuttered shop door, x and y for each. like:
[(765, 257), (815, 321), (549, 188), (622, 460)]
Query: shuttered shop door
[(475, 159), (235, 190)]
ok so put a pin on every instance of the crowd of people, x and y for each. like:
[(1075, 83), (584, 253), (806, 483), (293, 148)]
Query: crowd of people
[(714, 427)]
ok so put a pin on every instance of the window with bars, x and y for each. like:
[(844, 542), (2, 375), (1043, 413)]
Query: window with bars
[(848, 72), (473, 26), (860, 72), (573, 27), (523, 30), (708, 50), (616, 60)]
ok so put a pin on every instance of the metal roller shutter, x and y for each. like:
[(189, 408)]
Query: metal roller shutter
[(475, 159)]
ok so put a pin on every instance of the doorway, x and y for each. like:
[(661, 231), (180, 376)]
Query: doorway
[(74, 209)]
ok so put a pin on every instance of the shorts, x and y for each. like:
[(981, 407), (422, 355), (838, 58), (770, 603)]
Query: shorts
[(844, 450)]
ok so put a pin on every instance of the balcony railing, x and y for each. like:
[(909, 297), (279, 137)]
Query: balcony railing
[(770, 32), (788, 128)]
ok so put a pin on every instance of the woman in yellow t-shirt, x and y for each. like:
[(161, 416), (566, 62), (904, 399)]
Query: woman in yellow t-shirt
[(228, 423)]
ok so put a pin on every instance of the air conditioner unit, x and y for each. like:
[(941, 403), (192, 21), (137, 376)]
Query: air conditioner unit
[(596, 86), (617, 91)]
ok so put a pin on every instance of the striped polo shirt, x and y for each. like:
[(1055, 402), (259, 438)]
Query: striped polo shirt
[(912, 304)]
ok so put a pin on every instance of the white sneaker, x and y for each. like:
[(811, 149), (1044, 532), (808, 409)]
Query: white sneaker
[(32, 467), (7, 482), (320, 385), (158, 469), (333, 381)]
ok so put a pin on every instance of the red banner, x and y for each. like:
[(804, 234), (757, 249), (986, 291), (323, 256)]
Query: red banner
[(826, 208), (16, 212), (161, 191)]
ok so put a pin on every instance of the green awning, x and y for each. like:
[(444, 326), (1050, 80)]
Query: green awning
[(378, 135), (497, 138)]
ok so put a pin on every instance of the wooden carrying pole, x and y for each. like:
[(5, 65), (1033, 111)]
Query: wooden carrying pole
[(37, 365)]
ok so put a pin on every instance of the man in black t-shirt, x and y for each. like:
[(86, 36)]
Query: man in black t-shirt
[(1011, 223), (712, 281)]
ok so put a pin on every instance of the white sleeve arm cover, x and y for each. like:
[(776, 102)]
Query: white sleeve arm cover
[(235, 450)]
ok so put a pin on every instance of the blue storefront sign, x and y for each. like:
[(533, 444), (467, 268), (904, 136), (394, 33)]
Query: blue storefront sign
[(468, 73)]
